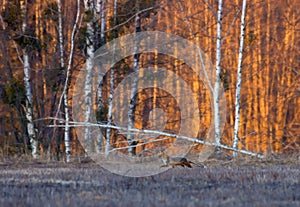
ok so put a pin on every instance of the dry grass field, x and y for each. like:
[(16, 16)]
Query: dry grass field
[(243, 182)]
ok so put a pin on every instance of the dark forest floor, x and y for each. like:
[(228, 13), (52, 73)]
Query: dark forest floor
[(242, 182)]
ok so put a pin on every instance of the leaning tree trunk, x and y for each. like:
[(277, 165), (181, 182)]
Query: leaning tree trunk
[(28, 107), (239, 81)]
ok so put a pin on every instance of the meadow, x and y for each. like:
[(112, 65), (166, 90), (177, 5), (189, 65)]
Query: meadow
[(242, 182)]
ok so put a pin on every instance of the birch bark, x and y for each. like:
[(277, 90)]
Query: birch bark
[(111, 91), (100, 7), (134, 84), (62, 66), (103, 23), (27, 84), (217, 85), (89, 9), (239, 80), (65, 93)]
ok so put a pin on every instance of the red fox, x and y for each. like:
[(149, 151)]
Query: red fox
[(176, 161)]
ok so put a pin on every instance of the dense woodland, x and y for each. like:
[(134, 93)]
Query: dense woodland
[(45, 43)]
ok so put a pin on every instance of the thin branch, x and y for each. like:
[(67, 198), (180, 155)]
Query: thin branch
[(17, 50), (15, 45), (132, 17), (198, 48), (70, 59), (2, 22), (210, 8), (231, 25)]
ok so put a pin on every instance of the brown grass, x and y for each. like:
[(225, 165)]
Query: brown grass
[(240, 182)]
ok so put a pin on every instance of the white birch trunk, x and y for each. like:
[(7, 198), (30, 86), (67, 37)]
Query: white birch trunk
[(62, 66), (60, 35), (239, 81), (29, 110), (97, 11), (28, 107), (102, 26), (67, 127), (99, 109), (100, 7), (89, 7), (134, 85), (65, 92), (111, 91), (218, 79), (109, 114)]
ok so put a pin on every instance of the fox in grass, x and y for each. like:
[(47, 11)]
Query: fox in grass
[(176, 161)]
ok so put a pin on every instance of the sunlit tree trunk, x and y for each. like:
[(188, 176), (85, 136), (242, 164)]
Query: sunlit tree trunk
[(262, 87), (28, 107), (217, 85), (134, 84), (239, 80), (283, 120), (270, 79)]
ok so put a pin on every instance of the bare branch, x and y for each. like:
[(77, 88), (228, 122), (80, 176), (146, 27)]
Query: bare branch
[(198, 48), (146, 131), (210, 8), (129, 19), (231, 25), (70, 58)]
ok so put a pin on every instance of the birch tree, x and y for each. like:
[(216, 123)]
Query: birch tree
[(27, 84), (99, 41), (62, 66), (60, 35), (100, 7), (217, 85), (111, 83), (103, 22), (89, 9), (65, 93), (239, 80), (134, 84)]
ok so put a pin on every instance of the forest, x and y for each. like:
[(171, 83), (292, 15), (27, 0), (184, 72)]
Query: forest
[(149, 103), (56, 104)]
